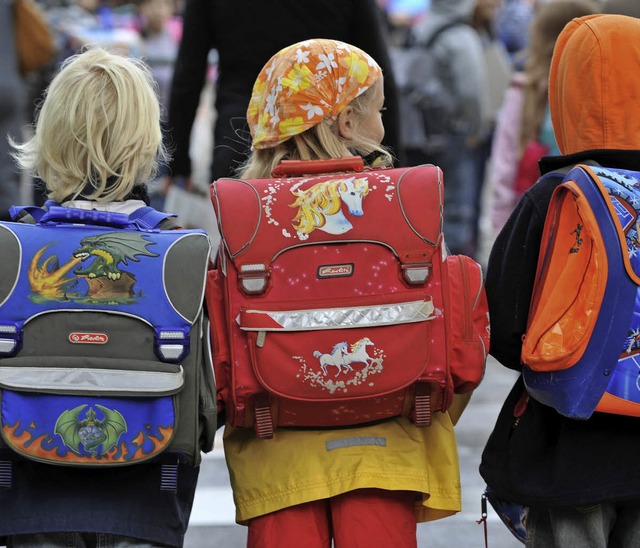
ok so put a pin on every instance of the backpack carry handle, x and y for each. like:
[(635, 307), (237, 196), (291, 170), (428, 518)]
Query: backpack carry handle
[(144, 218), (59, 214), (288, 168)]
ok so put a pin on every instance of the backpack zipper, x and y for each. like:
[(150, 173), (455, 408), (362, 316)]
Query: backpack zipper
[(465, 287)]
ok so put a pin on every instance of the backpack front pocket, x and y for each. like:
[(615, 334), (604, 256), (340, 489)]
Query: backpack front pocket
[(357, 361), (93, 416), (339, 353)]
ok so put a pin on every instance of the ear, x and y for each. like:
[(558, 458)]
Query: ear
[(346, 123)]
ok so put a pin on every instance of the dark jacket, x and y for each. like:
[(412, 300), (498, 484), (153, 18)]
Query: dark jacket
[(246, 33)]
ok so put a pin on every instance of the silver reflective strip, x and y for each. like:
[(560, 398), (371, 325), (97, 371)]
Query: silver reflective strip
[(94, 380), (341, 318), (7, 346), (355, 442)]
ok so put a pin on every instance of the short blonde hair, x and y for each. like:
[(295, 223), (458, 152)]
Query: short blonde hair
[(97, 132), (317, 143)]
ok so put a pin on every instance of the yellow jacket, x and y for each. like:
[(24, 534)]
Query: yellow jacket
[(299, 466)]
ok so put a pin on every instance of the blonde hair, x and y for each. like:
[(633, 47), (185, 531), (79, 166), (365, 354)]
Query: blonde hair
[(317, 143), (97, 132), (547, 24)]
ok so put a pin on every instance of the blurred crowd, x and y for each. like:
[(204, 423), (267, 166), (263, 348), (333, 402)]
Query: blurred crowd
[(498, 69)]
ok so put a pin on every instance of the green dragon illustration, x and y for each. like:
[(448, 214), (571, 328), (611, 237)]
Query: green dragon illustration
[(91, 433), (110, 250)]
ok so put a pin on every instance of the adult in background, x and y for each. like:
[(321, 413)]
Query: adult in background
[(13, 106), (246, 33), (524, 133)]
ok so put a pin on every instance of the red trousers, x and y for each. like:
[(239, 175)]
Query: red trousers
[(364, 518)]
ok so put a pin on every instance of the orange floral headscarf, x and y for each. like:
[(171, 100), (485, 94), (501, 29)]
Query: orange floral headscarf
[(305, 83)]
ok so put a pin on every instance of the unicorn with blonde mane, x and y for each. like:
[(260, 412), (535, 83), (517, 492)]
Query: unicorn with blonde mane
[(320, 206)]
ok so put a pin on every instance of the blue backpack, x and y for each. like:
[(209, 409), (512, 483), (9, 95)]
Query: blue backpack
[(102, 356), (582, 347)]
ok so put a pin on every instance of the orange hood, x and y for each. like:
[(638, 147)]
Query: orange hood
[(594, 84)]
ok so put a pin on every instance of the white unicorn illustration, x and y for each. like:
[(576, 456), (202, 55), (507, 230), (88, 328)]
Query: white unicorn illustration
[(320, 206), (359, 352), (334, 358)]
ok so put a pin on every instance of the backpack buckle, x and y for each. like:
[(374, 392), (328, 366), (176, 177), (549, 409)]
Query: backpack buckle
[(6, 474), (172, 344), (416, 273), (253, 278), (10, 339), (262, 420)]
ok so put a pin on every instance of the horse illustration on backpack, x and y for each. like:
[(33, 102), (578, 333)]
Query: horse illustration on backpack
[(359, 352), (335, 358), (341, 358), (320, 206)]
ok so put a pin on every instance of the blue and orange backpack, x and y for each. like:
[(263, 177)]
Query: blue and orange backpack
[(581, 351)]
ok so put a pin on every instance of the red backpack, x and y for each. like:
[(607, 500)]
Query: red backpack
[(332, 303)]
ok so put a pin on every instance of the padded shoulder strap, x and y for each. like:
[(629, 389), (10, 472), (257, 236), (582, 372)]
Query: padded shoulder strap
[(149, 217)]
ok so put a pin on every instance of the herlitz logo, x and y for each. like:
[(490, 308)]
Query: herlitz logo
[(88, 338), (335, 271)]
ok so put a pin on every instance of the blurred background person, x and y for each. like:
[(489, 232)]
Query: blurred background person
[(524, 133), (13, 109), (459, 52), (160, 32), (512, 26), (499, 71)]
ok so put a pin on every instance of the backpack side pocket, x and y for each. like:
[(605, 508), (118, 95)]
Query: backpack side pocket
[(467, 322), (220, 350), (570, 284)]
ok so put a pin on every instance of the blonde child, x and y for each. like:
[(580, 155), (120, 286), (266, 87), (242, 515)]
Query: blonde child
[(360, 486), (97, 140)]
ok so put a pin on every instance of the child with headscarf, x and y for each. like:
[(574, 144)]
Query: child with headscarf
[(363, 485)]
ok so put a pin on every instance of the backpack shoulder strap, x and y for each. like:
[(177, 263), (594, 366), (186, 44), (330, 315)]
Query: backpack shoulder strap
[(440, 30), (148, 217)]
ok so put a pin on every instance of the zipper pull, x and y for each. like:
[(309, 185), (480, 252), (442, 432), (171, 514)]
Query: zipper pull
[(520, 408), (262, 335)]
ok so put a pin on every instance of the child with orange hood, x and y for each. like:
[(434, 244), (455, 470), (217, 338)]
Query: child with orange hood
[(579, 479)]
